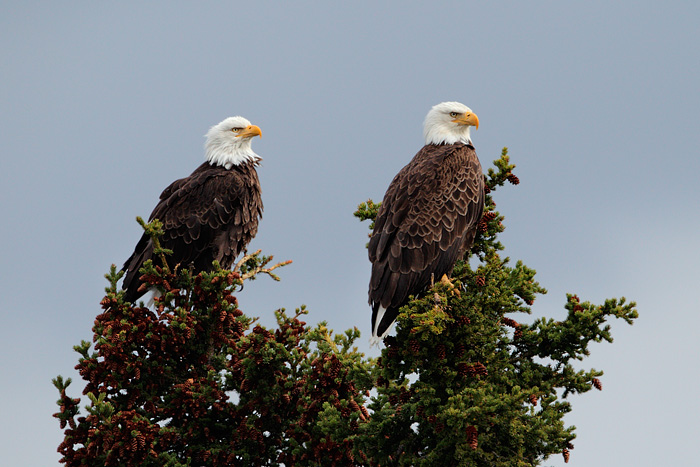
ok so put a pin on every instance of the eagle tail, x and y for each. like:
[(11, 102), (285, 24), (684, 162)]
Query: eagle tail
[(382, 320), (131, 290), (132, 279)]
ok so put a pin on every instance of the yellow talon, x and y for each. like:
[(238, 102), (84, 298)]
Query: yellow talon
[(447, 282)]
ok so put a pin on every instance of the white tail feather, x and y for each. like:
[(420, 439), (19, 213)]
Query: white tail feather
[(150, 298), (376, 339)]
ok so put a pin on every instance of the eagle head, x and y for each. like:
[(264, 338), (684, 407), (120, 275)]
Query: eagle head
[(229, 142), (449, 123)]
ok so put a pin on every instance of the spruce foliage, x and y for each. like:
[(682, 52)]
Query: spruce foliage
[(195, 381), (462, 382)]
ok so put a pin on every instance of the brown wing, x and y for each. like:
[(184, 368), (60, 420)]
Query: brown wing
[(428, 216), (210, 215)]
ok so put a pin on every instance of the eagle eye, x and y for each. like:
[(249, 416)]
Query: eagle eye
[(236, 129), (453, 114)]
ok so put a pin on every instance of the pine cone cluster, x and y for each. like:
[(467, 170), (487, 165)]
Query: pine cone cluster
[(477, 369), (472, 437), (463, 320), (510, 323), (480, 369), (440, 351)]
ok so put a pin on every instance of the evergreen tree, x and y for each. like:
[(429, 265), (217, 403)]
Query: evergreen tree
[(197, 382), (463, 383), (190, 383)]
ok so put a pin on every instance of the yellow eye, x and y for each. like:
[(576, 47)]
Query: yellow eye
[(236, 130), (453, 114)]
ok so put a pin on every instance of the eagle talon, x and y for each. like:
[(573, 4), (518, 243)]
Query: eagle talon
[(444, 280), (450, 285)]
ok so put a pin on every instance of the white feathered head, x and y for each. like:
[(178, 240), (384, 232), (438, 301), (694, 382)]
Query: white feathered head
[(229, 142), (449, 123)]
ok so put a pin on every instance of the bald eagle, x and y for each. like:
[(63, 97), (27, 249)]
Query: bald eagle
[(210, 215), (429, 215)]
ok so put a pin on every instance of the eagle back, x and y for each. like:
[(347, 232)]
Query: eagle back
[(210, 215)]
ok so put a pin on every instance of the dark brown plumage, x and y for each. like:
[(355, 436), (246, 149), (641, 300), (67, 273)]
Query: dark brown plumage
[(210, 215), (427, 220)]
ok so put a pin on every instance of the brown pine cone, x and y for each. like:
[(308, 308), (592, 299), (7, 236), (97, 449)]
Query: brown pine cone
[(440, 351), (472, 437)]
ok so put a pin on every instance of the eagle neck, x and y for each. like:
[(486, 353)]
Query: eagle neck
[(228, 156), (439, 136), (447, 146)]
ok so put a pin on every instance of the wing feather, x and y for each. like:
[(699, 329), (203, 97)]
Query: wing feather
[(210, 215), (427, 214)]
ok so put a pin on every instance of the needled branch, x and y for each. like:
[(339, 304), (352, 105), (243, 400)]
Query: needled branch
[(154, 229)]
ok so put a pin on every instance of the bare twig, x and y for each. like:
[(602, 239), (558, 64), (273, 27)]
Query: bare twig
[(267, 271), (245, 258), (259, 268)]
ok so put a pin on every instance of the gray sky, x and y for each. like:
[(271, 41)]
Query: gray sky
[(102, 106)]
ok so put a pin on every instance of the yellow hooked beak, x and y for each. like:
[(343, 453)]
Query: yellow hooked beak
[(250, 131), (468, 119)]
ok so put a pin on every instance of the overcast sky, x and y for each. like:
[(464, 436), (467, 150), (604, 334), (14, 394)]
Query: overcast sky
[(103, 105)]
